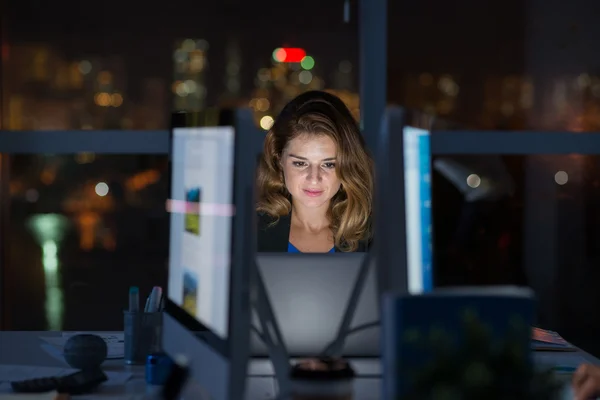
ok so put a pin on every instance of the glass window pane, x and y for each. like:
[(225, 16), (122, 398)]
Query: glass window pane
[(524, 220), (104, 69), (497, 65), (83, 228)]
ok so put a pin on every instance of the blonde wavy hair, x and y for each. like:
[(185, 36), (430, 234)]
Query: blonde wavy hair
[(321, 113)]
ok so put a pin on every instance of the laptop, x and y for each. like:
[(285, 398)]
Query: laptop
[(309, 294)]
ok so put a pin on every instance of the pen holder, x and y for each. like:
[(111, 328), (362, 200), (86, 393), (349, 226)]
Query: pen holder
[(143, 335)]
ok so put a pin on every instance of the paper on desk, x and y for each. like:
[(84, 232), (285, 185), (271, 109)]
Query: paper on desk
[(30, 396), (114, 341), (545, 340), (9, 373), (114, 378)]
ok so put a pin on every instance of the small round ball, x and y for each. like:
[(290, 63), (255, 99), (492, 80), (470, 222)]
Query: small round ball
[(85, 351)]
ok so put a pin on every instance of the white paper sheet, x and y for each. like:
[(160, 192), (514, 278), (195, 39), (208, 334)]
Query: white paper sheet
[(115, 341), (21, 396)]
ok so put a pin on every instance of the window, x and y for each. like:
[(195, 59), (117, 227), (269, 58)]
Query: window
[(510, 65), (513, 209), (83, 228), (87, 96), (112, 69)]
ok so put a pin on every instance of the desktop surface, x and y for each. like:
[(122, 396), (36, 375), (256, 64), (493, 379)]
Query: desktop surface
[(24, 348)]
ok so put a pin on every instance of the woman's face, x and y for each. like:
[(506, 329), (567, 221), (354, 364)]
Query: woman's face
[(309, 169)]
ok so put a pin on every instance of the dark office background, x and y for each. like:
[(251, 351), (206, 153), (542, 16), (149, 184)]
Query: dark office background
[(83, 227)]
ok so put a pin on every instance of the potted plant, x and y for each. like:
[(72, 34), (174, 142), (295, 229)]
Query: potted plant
[(479, 366)]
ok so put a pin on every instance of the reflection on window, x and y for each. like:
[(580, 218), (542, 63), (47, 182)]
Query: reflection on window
[(55, 85), (524, 220), (83, 228), (291, 73), (48, 231)]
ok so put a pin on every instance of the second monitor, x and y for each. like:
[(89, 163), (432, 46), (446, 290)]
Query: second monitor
[(417, 194)]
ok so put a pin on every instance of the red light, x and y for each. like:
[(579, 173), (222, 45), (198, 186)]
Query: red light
[(289, 55)]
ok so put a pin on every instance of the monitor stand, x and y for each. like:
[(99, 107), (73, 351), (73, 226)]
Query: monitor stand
[(271, 336), (335, 348)]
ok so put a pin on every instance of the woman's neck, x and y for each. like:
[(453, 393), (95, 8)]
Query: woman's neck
[(311, 219)]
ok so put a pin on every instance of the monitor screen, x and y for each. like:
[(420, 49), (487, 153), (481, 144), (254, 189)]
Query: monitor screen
[(202, 210), (417, 193)]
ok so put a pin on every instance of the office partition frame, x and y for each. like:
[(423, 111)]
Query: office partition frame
[(372, 28), (389, 199), (514, 142)]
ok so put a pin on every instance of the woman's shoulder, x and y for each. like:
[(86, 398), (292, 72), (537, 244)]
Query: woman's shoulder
[(364, 245), (269, 222), (273, 232), (265, 220)]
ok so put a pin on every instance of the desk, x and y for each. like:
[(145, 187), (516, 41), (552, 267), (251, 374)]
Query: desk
[(24, 348)]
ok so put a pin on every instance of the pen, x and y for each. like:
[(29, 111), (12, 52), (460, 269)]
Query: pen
[(161, 303), (153, 302), (134, 299)]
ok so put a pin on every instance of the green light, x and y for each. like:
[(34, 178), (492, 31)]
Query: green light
[(48, 227), (307, 63)]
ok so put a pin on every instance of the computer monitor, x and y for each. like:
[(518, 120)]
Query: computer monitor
[(403, 203), (417, 194), (212, 224)]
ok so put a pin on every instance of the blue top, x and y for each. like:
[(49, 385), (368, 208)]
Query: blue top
[(293, 249)]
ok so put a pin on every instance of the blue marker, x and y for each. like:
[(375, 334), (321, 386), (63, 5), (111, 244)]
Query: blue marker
[(134, 299)]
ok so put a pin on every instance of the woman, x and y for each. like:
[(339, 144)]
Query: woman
[(315, 180)]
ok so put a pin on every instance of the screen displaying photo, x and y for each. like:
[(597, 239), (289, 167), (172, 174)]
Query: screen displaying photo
[(201, 208), (192, 215), (190, 292)]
